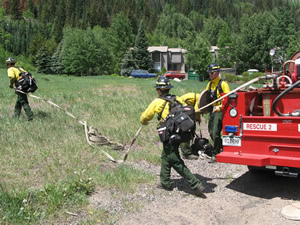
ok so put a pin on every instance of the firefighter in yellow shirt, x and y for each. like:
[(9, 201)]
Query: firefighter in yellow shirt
[(22, 100), (192, 100), (216, 87), (170, 157)]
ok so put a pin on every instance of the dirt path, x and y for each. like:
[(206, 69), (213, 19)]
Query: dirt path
[(234, 196)]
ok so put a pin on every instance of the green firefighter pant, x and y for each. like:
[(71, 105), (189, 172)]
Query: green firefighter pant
[(22, 101), (170, 158), (215, 128), (186, 148)]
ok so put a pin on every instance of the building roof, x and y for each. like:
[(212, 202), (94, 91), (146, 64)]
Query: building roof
[(158, 49), (214, 48), (165, 49), (174, 50)]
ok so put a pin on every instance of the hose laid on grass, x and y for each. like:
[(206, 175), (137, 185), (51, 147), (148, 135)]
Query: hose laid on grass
[(93, 137)]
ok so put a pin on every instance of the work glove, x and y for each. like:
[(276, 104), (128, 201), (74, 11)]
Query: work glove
[(198, 117), (145, 123), (217, 109)]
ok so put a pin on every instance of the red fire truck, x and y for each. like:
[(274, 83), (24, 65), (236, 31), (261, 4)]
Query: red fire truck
[(261, 127)]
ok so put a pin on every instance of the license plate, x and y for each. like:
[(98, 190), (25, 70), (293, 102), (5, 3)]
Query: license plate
[(232, 141)]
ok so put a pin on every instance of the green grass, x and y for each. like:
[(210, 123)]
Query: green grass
[(49, 159), (124, 178), (30, 206)]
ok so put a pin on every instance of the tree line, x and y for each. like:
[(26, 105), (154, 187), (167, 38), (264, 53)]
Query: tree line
[(86, 37)]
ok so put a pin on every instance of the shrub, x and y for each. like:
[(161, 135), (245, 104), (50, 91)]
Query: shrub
[(245, 78), (257, 74), (245, 74), (230, 77)]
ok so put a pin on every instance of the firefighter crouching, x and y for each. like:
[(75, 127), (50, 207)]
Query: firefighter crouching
[(22, 100), (170, 157), (215, 88)]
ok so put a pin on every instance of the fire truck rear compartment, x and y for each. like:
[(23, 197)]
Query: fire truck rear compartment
[(266, 139)]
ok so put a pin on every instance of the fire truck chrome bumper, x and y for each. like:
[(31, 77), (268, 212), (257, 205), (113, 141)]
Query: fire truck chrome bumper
[(285, 173)]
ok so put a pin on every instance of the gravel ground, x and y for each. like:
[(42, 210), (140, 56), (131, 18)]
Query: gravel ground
[(233, 196)]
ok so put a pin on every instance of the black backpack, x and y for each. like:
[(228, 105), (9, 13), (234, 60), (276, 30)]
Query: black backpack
[(179, 126), (26, 82)]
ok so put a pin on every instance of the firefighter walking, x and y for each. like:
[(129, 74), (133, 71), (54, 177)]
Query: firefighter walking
[(170, 157), (22, 100)]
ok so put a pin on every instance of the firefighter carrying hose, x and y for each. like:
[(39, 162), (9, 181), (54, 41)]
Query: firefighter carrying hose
[(22, 100), (215, 88), (170, 157)]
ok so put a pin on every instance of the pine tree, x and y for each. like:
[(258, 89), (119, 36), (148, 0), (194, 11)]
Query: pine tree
[(57, 66), (43, 62), (128, 63), (59, 22), (121, 38), (141, 54)]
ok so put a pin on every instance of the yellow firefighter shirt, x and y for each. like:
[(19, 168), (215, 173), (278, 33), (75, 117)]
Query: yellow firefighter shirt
[(13, 75), (192, 100), (224, 86), (156, 106)]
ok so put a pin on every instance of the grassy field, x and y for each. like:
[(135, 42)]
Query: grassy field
[(47, 167)]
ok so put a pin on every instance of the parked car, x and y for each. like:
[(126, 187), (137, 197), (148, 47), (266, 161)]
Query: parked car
[(251, 71), (174, 74), (142, 74)]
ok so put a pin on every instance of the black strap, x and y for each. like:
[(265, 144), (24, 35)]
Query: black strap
[(20, 70), (171, 99), (159, 115), (219, 86), (209, 88)]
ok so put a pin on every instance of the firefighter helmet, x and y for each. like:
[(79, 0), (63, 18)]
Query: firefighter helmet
[(163, 83), (213, 67), (10, 60)]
